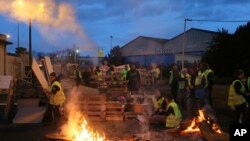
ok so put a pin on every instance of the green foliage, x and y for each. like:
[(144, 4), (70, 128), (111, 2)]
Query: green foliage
[(115, 57), (20, 50), (228, 52)]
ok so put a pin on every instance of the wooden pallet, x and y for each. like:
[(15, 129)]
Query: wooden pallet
[(129, 115), (114, 111), (93, 107)]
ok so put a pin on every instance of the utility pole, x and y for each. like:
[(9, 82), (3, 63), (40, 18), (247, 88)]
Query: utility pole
[(184, 43)]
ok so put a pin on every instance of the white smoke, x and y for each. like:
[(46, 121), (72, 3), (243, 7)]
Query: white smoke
[(55, 21)]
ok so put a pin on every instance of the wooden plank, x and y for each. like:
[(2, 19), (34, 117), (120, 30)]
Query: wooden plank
[(56, 136), (4, 91), (114, 117), (95, 107), (95, 118), (114, 113), (39, 74), (210, 135), (95, 113), (48, 64), (129, 115)]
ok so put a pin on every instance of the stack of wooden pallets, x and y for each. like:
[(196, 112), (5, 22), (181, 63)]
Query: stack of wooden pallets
[(93, 107), (114, 111)]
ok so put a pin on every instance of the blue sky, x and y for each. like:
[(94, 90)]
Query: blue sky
[(88, 24)]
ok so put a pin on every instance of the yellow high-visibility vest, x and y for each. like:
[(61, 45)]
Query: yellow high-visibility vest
[(157, 103), (173, 120), (59, 97), (233, 97), (205, 74)]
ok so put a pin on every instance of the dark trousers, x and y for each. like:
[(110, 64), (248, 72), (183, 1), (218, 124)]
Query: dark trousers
[(52, 114), (174, 90), (239, 110), (78, 81)]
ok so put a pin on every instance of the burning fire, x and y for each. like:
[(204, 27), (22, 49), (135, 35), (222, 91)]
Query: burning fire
[(76, 127), (85, 133), (78, 130), (197, 120)]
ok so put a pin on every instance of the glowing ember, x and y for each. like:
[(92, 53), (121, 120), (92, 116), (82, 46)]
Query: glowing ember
[(197, 120)]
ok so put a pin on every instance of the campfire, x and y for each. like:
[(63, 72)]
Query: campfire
[(206, 127), (194, 126), (84, 133), (77, 130)]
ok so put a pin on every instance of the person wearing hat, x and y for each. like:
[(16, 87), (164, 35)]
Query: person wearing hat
[(56, 99)]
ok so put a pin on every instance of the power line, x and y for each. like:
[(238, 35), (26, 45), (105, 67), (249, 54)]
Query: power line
[(204, 20)]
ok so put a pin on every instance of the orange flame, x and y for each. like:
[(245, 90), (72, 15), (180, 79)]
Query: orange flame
[(85, 133), (79, 130), (200, 118)]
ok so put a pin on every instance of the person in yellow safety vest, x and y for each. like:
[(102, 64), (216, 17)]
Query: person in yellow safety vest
[(173, 80), (124, 72), (56, 99), (201, 94), (183, 93), (248, 98), (77, 75), (158, 102), (172, 112), (237, 97), (209, 81)]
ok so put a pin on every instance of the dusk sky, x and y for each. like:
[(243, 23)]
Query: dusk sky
[(88, 24)]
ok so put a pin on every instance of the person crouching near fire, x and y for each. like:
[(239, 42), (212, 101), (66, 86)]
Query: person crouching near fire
[(170, 116), (173, 113), (159, 102), (56, 100)]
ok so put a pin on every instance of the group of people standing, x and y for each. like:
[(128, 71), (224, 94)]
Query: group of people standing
[(192, 88)]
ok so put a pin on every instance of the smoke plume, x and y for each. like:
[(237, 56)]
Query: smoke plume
[(55, 21)]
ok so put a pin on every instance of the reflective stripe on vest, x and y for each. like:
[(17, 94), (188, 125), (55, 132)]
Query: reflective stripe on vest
[(58, 98), (182, 82), (198, 79), (78, 74), (205, 74), (248, 83), (171, 77), (160, 101), (173, 120), (157, 103), (233, 97)]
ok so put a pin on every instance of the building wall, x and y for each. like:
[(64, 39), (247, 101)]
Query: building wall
[(188, 59), (141, 46), (164, 59), (195, 41), (13, 66)]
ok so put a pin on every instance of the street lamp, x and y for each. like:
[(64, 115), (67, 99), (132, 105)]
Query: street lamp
[(76, 52), (111, 37), (41, 5)]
